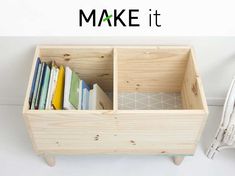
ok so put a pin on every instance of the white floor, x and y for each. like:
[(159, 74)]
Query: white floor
[(18, 158)]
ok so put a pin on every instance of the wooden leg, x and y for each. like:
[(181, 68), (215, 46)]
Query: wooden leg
[(178, 160), (50, 160)]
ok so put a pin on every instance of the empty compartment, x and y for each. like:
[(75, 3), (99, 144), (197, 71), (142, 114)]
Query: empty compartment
[(93, 65), (156, 78)]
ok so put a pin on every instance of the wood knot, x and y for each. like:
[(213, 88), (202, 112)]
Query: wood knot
[(132, 142), (102, 75), (195, 88), (97, 137), (67, 57)]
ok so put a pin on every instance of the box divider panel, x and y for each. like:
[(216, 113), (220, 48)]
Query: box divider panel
[(115, 80)]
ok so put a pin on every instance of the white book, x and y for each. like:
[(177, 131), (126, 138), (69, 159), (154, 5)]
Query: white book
[(100, 100), (68, 75), (90, 99), (85, 99), (80, 95), (53, 86), (82, 86), (49, 88)]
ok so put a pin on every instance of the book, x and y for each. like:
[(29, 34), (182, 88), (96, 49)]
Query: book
[(43, 96), (41, 79), (36, 86), (74, 90), (85, 99), (48, 100), (100, 100), (67, 84), (82, 86), (36, 71), (90, 98), (57, 100), (52, 85), (87, 94)]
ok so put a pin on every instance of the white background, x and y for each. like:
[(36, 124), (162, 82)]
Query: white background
[(60, 17)]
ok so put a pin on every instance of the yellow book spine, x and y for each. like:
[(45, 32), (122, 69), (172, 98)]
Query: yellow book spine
[(57, 101)]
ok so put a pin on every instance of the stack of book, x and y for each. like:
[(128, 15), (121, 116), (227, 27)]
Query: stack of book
[(60, 87)]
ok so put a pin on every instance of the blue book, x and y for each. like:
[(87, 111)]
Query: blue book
[(36, 72), (82, 86), (40, 83), (36, 86), (45, 83)]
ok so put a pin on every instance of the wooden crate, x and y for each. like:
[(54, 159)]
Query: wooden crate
[(138, 69)]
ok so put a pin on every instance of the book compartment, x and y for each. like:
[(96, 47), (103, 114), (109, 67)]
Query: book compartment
[(156, 102), (93, 69)]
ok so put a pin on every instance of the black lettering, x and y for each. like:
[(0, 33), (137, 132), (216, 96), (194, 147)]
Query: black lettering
[(133, 17), (157, 14), (104, 13), (83, 16), (117, 17)]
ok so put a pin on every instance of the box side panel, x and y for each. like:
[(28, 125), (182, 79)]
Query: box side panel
[(130, 133), (192, 92), (26, 100)]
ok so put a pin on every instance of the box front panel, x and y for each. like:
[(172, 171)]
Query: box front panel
[(136, 133), (159, 133), (66, 133)]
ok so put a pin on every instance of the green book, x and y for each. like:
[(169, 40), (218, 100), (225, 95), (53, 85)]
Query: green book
[(74, 88), (43, 96)]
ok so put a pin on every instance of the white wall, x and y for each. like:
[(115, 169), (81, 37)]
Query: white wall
[(215, 59)]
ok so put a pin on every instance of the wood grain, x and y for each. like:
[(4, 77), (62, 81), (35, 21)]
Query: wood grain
[(151, 69), (192, 91), (123, 132), (123, 69), (94, 65)]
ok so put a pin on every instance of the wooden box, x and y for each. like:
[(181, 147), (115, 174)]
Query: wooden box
[(135, 71)]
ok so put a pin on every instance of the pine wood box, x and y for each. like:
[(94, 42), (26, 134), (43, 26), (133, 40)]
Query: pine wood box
[(118, 69)]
